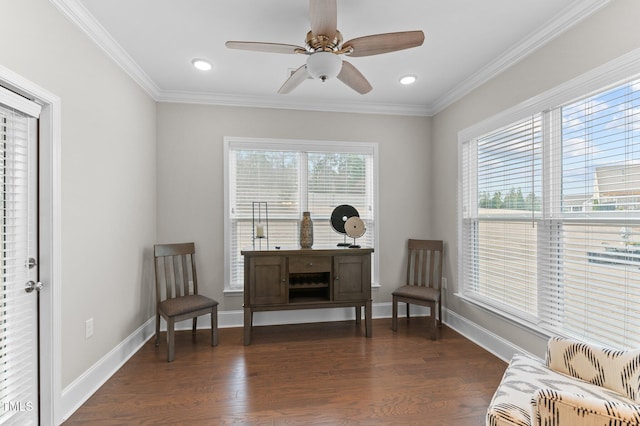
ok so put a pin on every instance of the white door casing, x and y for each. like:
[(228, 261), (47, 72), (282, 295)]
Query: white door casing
[(49, 224)]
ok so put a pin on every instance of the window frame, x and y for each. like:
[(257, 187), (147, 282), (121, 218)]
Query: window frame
[(308, 146), (617, 72)]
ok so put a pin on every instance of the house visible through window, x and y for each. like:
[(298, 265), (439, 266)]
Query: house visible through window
[(550, 221), (293, 177)]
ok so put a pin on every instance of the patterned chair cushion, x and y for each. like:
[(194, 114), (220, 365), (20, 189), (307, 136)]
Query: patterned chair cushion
[(550, 407), (612, 369), (512, 401)]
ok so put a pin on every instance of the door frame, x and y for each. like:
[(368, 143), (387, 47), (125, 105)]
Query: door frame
[(49, 241)]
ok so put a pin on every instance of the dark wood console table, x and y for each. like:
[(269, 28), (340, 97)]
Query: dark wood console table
[(277, 280)]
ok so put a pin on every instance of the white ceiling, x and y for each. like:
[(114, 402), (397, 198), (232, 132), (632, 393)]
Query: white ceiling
[(467, 42)]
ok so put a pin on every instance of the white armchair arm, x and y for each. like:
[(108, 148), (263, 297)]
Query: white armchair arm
[(551, 407)]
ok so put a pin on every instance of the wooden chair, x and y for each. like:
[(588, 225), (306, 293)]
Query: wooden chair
[(177, 297), (424, 275)]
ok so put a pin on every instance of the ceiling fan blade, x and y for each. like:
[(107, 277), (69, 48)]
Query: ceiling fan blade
[(350, 76), (323, 15), (257, 46), (299, 75), (384, 43)]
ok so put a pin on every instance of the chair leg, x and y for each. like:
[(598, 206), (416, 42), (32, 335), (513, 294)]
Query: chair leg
[(408, 315), (440, 313), (157, 329), (434, 322), (195, 325), (394, 316), (171, 353), (214, 326)]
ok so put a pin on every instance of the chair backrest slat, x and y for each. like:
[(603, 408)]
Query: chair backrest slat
[(167, 277), (176, 275), (424, 267), (175, 267), (193, 271), (185, 273)]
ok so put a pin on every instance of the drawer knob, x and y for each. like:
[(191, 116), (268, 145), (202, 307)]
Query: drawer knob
[(310, 264)]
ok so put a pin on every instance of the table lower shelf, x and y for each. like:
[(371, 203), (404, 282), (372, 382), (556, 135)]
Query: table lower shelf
[(310, 304)]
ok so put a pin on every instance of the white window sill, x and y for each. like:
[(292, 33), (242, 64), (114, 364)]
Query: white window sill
[(535, 328)]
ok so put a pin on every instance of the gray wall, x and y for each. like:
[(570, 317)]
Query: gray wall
[(606, 35), (115, 137), (191, 190), (108, 178)]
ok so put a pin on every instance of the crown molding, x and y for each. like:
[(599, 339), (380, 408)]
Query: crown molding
[(304, 105), (622, 69), (572, 14), (80, 16)]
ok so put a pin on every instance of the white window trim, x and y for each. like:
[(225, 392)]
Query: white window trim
[(294, 145), (598, 79)]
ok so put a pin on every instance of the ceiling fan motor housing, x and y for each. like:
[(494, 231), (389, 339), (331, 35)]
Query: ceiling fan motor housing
[(316, 43)]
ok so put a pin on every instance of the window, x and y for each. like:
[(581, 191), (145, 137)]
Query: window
[(293, 177), (550, 218), (502, 224)]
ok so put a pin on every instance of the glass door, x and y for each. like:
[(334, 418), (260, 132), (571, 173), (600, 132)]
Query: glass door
[(19, 286)]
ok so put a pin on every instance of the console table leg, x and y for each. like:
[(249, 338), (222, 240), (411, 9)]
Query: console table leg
[(358, 315), (248, 324), (368, 324)]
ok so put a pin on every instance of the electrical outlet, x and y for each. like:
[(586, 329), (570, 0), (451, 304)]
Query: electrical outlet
[(88, 328)]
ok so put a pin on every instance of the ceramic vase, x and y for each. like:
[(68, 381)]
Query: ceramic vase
[(306, 231)]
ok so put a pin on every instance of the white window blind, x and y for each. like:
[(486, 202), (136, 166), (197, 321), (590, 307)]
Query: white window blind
[(550, 223), (293, 177), (505, 169), (597, 288), (334, 179)]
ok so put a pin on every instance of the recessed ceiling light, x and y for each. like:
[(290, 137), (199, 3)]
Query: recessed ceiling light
[(408, 79), (201, 64)]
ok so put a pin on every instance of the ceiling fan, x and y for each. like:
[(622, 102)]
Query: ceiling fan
[(324, 44)]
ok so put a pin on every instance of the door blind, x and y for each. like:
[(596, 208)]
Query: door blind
[(18, 310)]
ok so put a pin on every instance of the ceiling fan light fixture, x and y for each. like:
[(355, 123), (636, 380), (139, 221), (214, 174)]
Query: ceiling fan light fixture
[(201, 64), (324, 65), (408, 79)]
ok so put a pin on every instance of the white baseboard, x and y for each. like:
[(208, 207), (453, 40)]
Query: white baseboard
[(81, 389), (482, 337), (298, 316), (78, 391)]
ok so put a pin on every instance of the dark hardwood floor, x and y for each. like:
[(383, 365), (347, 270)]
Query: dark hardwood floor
[(303, 374)]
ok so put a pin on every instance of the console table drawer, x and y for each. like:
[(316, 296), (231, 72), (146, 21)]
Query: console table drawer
[(298, 264)]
